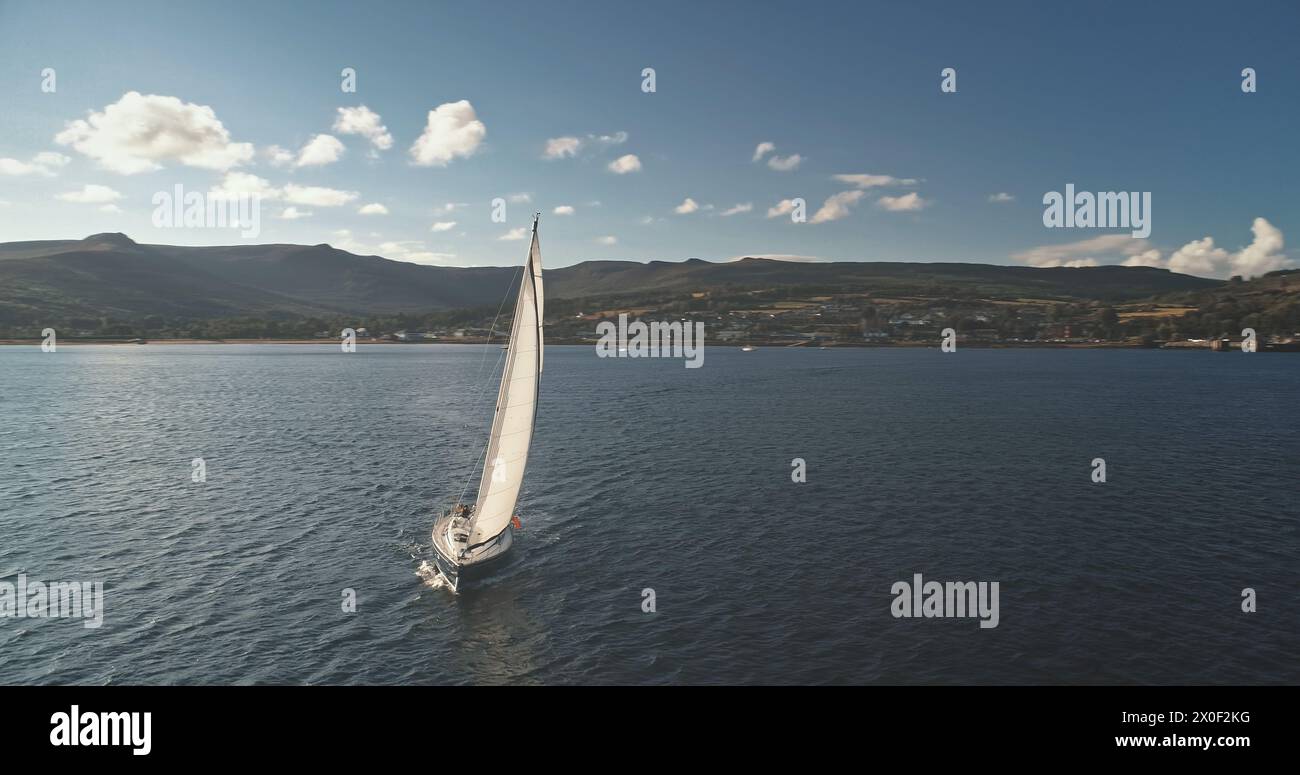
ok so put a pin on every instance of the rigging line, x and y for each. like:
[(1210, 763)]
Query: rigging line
[(478, 378), (482, 453), (491, 331)]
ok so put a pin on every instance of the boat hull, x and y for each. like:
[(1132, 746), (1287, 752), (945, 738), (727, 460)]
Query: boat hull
[(484, 560)]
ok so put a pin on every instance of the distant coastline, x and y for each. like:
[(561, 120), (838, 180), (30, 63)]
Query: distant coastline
[(1203, 346), (307, 294)]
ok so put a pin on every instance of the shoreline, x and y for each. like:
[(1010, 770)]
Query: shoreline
[(572, 342)]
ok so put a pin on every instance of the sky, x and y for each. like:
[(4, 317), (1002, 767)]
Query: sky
[(543, 105)]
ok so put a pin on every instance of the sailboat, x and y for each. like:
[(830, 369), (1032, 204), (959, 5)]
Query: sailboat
[(469, 542)]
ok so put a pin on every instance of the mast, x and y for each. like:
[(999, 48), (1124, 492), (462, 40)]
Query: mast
[(516, 408)]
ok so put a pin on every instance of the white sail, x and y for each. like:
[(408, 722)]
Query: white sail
[(512, 426)]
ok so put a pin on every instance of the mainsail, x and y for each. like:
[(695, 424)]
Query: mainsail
[(512, 426)]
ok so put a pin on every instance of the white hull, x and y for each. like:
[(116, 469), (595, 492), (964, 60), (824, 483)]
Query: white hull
[(458, 566)]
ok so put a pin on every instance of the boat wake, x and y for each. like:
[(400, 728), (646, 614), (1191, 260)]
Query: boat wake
[(415, 549), (431, 576)]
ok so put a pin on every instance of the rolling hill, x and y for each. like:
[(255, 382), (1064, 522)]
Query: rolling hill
[(110, 275)]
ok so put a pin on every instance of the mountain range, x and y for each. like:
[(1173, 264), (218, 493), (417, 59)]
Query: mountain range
[(111, 275)]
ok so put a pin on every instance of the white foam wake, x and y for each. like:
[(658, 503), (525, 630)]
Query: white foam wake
[(431, 576)]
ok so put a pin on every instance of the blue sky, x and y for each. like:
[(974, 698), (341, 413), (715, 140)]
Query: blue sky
[(1108, 96)]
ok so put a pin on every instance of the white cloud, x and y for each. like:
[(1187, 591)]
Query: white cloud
[(279, 157), (784, 207), (1146, 258), (864, 181), (365, 122), (443, 226), (14, 167), (404, 251), (319, 151), (1199, 257), (1263, 254), (519, 199), (452, 130), (410, 251), (617, 138), (785, 163), (374, 208), (562, 147), (608, 240), (317, 196), (517, 233), (244, 183), (44, 163), (401, 247), (563, 210), (836, 206), (778, 163), (139, 131), (625, 164), (687, 207), (90, 194), (449, 208), (1001, 196), (51, 159), (569, 146), (292, 213), (1107, 248), (900, 204), (737, 209)]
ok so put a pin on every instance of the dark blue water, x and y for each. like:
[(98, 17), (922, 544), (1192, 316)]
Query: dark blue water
[(323, 469)]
